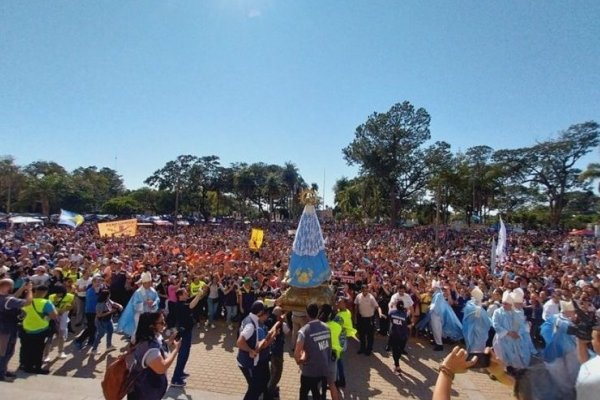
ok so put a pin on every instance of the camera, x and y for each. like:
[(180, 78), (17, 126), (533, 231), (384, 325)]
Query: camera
[(582, 329)]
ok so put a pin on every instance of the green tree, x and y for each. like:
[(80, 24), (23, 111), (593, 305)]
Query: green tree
[(358, 199), (11, 182), (550, 165), (591, 173), (46, 185), (175, 177), (390, 147), (122, 205), (92, 188)]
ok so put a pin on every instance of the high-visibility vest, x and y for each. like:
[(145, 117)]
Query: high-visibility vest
[(71, 275), (346, 316), (64, 303), (336, 330), (34, 320), (196, 287)]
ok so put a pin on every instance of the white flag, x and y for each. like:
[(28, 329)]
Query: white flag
[(493, 257), (501, 248)]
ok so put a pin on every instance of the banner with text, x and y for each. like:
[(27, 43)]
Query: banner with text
[(126, 227)]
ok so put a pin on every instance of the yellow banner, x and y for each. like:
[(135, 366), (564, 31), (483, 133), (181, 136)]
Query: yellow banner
[(126, 227), (256, 239)]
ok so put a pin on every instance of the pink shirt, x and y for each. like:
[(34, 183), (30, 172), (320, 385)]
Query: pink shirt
[(172, 293)]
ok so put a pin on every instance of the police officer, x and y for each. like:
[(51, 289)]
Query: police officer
[(10, 309), (399, 332), (253, 355), (313, 353), (36, 330)]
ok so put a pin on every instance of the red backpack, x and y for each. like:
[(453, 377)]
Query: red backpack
[(118, 378)]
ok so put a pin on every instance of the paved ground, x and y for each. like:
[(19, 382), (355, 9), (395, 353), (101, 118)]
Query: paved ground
[(214, 374)]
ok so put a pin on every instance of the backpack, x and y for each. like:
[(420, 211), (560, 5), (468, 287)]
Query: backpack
[(118, 377)]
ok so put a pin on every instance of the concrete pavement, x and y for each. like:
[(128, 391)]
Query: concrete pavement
[(215, 375)]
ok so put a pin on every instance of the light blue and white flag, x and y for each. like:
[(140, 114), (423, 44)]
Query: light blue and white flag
[(70, 218)]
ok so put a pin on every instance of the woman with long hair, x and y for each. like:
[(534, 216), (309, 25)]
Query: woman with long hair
[(152, 358)]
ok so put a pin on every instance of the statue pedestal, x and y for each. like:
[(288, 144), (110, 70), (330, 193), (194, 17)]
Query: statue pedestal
[(296, 299)]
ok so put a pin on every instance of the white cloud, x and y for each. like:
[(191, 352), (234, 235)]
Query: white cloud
[(254, 13)]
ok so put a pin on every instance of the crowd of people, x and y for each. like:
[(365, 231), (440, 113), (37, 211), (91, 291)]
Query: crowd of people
[(58, 283)]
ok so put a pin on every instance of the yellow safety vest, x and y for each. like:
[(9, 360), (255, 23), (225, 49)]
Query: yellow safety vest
[(64, 303), (35, 321), (196, 287), (336, 330), (346, 316), (71, 275)]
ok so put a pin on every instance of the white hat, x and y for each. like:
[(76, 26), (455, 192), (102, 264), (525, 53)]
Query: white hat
[(518, 295), (566, 306), (476, 293), (435, 284), (507, 298), (146, 277)]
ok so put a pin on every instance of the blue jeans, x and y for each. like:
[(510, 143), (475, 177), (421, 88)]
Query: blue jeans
[(103, 328), (212, 309), (341, 377), (231, 313), (183, 355)]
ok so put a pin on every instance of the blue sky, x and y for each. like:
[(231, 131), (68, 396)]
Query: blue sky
[(133, 84)]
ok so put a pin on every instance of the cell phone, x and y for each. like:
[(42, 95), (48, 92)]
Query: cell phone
[(483, 360)]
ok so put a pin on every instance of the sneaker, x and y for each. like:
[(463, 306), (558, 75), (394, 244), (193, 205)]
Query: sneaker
[(178, 383), (212, 326), (10, 374), (62, 356), (95, 351), (111, 348), (47, 359), (42, 371), (6, 379), (397, 371), (185, 375)]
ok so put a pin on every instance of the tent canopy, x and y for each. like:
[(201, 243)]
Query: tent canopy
[(25, 220)]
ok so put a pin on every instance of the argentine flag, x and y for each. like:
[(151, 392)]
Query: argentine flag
[(70, 218)]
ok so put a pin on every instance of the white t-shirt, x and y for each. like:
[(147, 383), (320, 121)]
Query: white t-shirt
[(39, 280), (82, 285), (152, 354), (406, 299), (367, 305), (588, 380)]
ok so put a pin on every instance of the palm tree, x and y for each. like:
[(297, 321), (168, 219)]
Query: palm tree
[(290, 177)]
